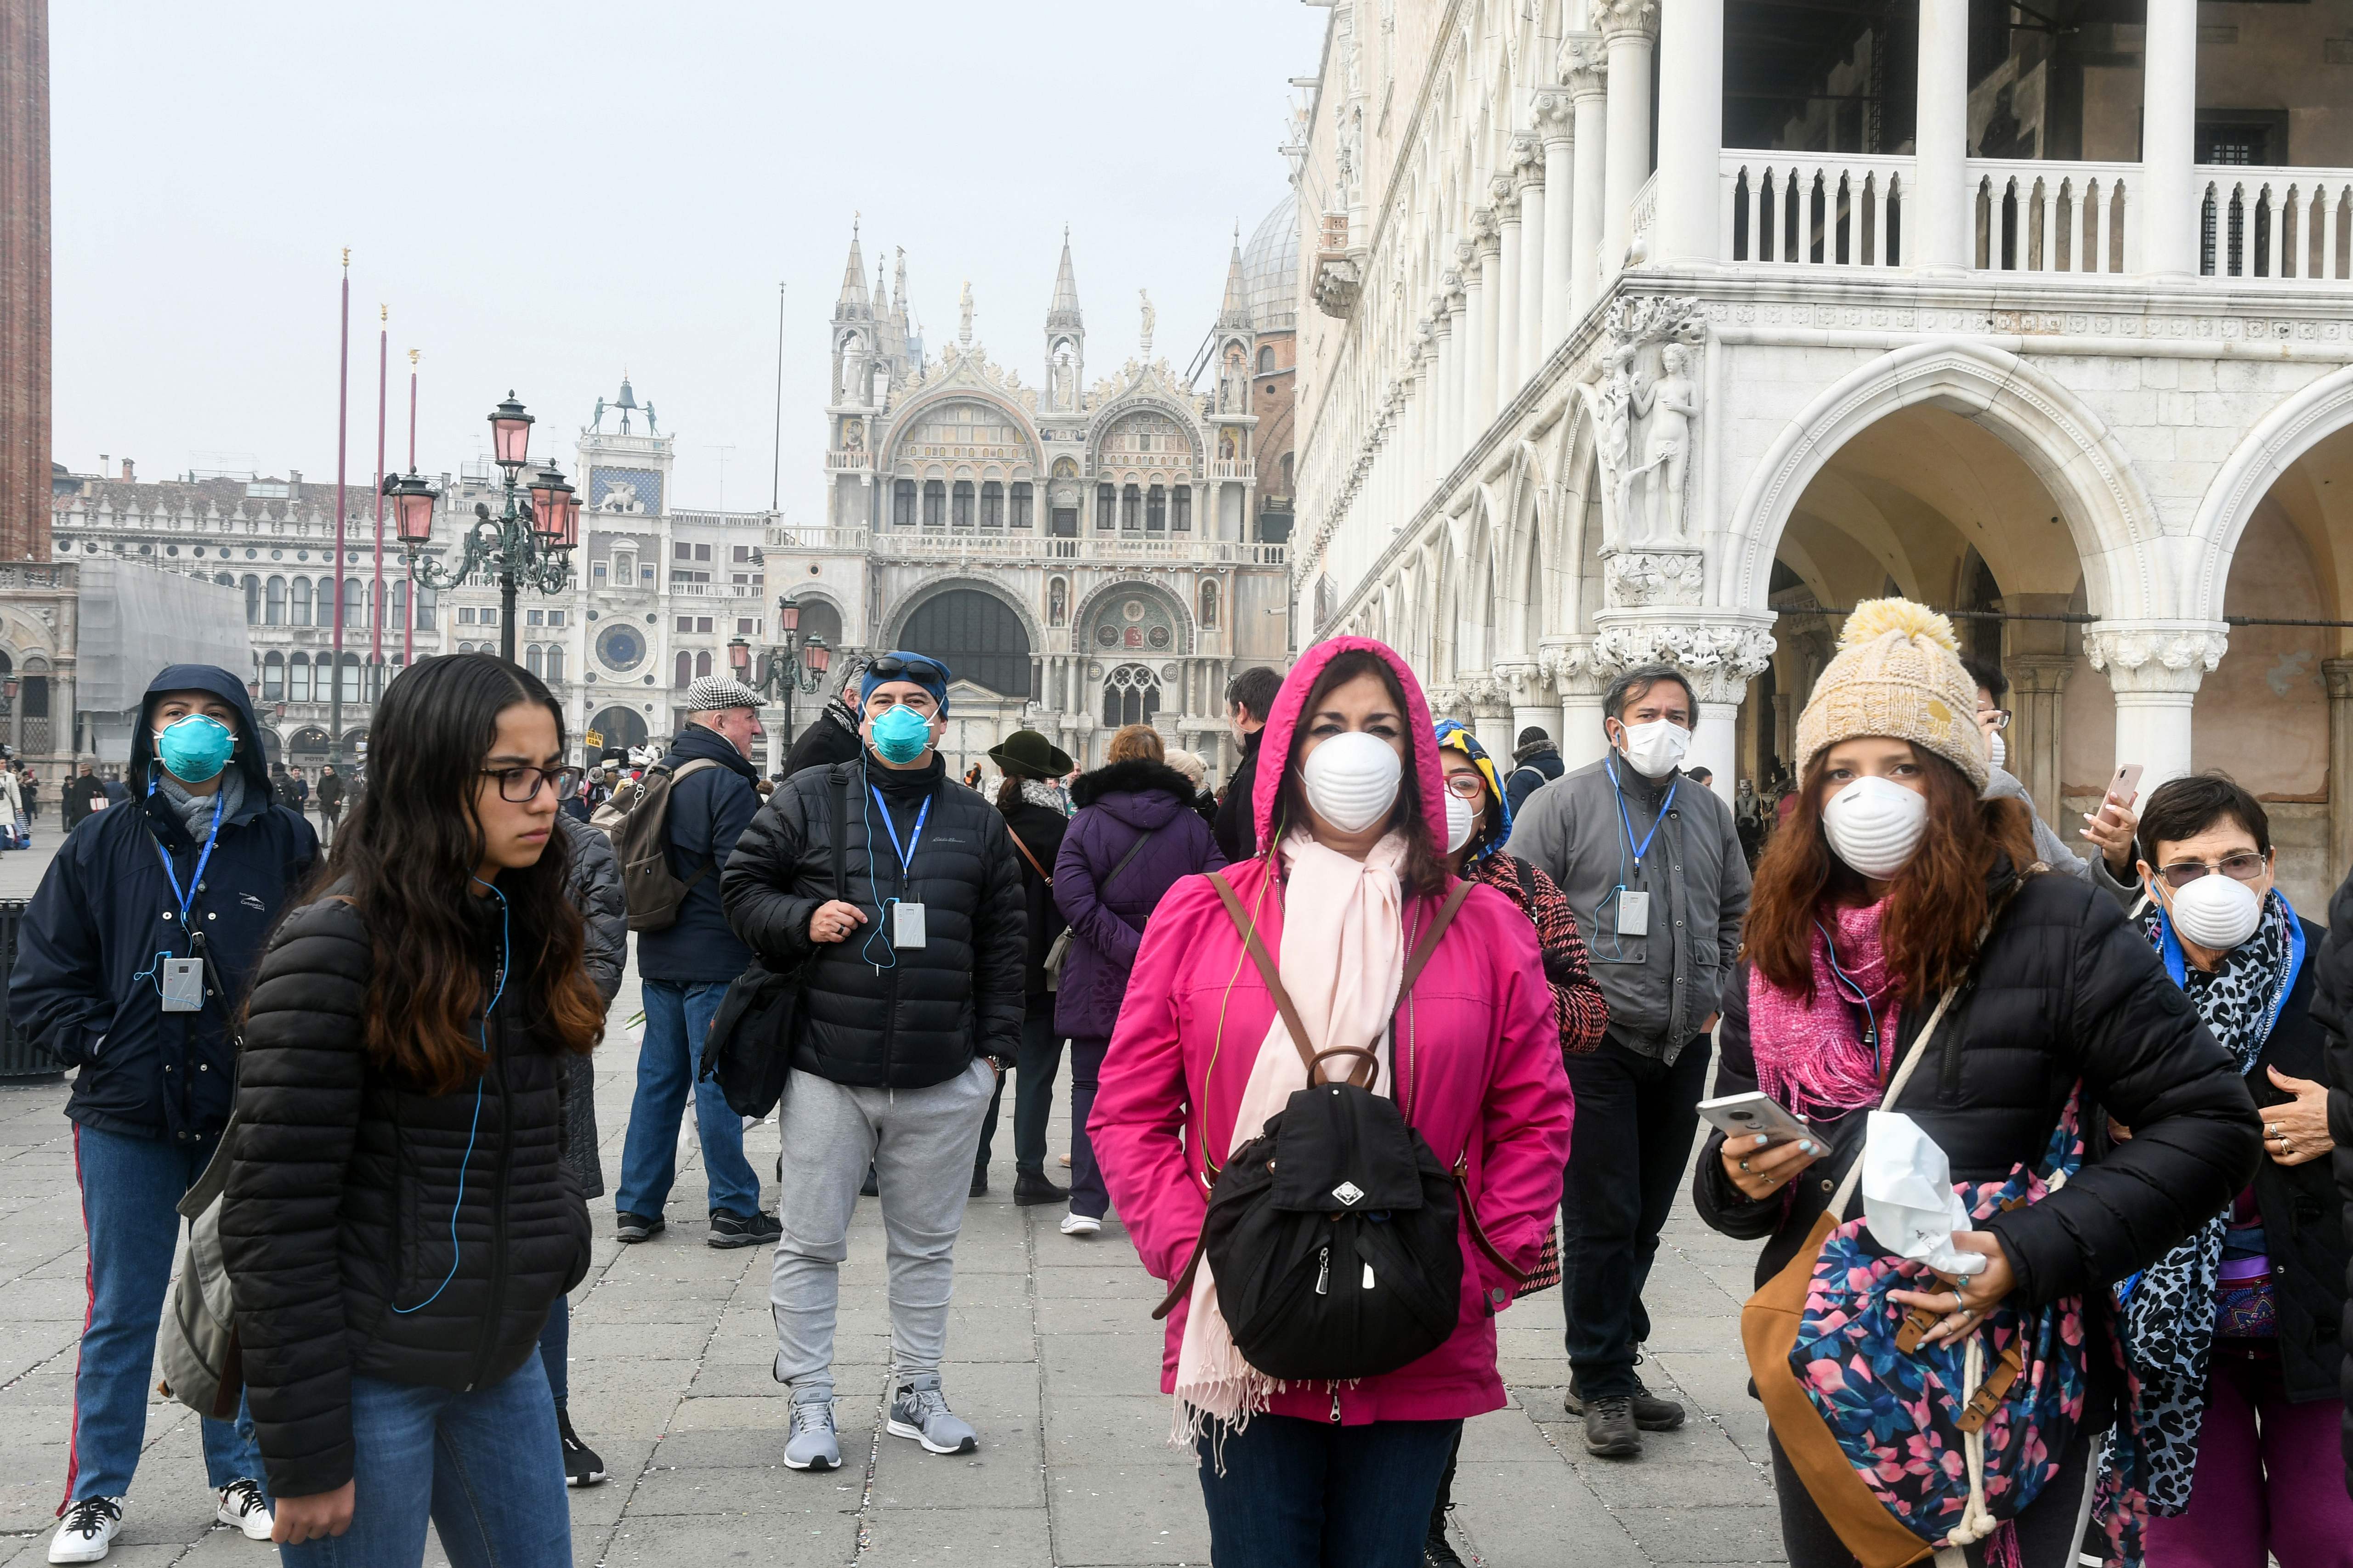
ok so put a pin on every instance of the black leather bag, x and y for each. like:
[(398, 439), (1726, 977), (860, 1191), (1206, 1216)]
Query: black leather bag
[(749, 1046), (1334, 1235)]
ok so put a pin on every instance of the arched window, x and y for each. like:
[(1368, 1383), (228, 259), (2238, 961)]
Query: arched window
[(1156, 510), (1208, 606), (375, 679), (252, 601), (681, 670), (302, 601), (1130, 695), (555, 663), (1180, 517), (273, 678), (1020, 518), (1286, 474), (1266, 359), (298, 686), (1130, 510), (962, 516), (978, 636), (992, 505), (399, 603), (935, 504), (351, 675), (274, 605), (903, 504), (701, 664), (223, 579), (1106, 509), (531, 659), (428, 604), (354, 604)]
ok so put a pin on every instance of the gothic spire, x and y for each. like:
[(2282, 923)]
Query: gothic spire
[(1064, 311), (854, 300), (1236, 312)]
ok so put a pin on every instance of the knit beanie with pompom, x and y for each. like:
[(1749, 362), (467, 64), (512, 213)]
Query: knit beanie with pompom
[(1898, 673)]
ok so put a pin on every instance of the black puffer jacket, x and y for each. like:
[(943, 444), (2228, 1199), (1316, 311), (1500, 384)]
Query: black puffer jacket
[(2332, 1007), (343, 1192), (2063, 990), (1039, 829), (926, 1012), (831, 737)]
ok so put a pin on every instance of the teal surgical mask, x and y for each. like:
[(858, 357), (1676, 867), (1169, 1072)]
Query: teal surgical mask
[(196, 747), (900, 734)]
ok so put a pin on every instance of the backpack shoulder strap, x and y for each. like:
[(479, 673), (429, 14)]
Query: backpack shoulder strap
[(1429, 942), (1266, 971), (1127, 860), (840, 833)]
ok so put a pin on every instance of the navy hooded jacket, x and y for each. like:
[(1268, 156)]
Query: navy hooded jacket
[(708, 811), (85, 986)]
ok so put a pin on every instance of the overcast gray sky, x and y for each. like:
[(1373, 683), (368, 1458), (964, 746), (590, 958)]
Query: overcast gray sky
[(545, 193)]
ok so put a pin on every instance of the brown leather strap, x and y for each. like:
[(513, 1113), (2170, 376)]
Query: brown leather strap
[(1257, 948), (1478, 1231), (1182, 1287), (1031, 858), (1429, 944)]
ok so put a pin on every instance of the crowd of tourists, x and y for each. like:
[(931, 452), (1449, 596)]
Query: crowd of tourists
[(1378, 1036)]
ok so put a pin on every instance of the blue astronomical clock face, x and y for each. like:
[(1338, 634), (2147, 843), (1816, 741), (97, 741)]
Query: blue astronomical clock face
[(620, 648)]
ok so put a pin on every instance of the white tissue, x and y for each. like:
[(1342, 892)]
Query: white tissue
[(1908, 1201)]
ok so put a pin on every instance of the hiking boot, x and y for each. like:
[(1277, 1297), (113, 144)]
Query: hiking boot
[(920, 1411), (742, 1230), (87, 1532), (240, 1504), (812, 1445), (1030, 1187), (1609, 1430), (1436, 1552), (582, 1468), (635, 1228), (1080, 1225), (1651, 1414)]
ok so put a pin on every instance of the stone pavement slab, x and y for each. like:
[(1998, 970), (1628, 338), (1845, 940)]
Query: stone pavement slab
[(1052, 1354)]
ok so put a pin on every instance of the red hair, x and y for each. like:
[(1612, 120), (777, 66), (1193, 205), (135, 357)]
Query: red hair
[(1936, 905)]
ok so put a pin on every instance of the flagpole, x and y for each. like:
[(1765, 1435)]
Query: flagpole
[(377, 595), (776, 461), (342, 430), (409, 619)]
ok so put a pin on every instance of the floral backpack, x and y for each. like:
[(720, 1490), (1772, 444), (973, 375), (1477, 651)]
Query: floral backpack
[(1914, 1451)]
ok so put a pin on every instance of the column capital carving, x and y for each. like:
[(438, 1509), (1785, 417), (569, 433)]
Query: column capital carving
[(1486, 233), (1488, 696), (1572, 669), (2338, 674), (1466, 254), (1447, 703), (1554, 110), (1584, 62), (1452, 283), (1718, 654), (1615, 19), (2038, 674), (1524, 682), (2156, 656)]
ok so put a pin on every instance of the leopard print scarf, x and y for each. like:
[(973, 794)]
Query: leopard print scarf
[(2168, 1319)]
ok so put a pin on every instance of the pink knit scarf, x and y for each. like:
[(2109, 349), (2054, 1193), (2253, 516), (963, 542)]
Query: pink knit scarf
[(1810, 1055)]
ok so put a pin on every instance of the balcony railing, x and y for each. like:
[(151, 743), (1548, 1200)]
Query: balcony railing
[(991, 545), (723, 519), (848, 462), (816, 536), (717, 591), (2054, 216), (2277, 223), (1813, 209), (1227, 468)]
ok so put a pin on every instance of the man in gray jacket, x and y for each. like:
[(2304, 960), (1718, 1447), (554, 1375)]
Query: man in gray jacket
[(1651, 866)]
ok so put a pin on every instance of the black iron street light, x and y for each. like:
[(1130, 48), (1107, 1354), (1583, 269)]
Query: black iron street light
[(529, 545), (796, 664)]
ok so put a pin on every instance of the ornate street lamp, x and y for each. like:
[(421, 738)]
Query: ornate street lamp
[(528, 544), (794, 665)]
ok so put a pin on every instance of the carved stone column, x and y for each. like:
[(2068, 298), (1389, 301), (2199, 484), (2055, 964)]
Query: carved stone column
[(2035, 741), (2155, 666), (1628, 27), (1585, 61), (1490, 715), (1719, 651), (1578, 681), (1556, 119), (1486, 385), (1534, 702), (1529, 175), (1507, 280), (2338, 673)]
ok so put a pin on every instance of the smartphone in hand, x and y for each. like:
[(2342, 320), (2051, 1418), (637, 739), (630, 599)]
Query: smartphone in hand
[(1746, 1115)]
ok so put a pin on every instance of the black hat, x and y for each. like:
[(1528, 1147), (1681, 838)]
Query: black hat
[(1025, 753)]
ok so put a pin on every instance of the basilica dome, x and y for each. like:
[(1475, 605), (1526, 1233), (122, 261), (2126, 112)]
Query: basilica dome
[(1271, 269)]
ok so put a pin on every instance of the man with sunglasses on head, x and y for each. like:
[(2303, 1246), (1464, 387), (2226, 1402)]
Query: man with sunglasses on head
[(686, 968), (910, 1012)]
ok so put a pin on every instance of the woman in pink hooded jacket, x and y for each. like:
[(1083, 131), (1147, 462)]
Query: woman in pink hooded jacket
[(1334, 1472)]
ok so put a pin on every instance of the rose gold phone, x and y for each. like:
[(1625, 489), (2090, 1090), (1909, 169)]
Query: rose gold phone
[(2125, 788)]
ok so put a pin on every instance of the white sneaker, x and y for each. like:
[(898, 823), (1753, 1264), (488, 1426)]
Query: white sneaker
[(241, 1505), (1080, 1225), (87, 1533)]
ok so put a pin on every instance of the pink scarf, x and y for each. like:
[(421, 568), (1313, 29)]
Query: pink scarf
[(1342, 959), (1810, 1055)]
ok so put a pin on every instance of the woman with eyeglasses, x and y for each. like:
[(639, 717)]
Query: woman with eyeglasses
[(1894, 884), (1478, 824), (2233, 1332), (398, 1217)]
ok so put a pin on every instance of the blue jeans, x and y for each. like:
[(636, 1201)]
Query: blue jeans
[(129, 1186), (485, 1468), (1297, 1494), (678, 1016), (555, 1349)]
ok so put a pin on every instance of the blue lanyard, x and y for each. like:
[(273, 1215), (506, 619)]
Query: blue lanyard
[(197, 882), (914, 837), (1628, 823)]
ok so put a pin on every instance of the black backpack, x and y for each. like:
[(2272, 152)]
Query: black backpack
[(1334, 1236), (749, 1045)]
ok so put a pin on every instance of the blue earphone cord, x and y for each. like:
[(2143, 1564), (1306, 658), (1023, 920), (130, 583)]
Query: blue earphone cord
[(1846, 981), (505, 952), (882, 905)]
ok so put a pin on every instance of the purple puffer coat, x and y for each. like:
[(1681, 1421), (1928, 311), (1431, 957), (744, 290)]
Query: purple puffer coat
[(1117, 804)]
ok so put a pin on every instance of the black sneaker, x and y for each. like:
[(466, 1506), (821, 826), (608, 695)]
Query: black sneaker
[(635, 1228), (1436, 1552), (871, 1187), (980, 1181), (1609, 1430), (1651, 1414), (582, 1468), (1032, 1187), (742, 1230)]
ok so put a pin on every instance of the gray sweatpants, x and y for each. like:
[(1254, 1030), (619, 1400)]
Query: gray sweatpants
[(922, 1142)]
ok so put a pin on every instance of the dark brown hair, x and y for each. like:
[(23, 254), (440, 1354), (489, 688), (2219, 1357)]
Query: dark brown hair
[(406, 857), (1425, 871), (1936, 905), (2186, 806)]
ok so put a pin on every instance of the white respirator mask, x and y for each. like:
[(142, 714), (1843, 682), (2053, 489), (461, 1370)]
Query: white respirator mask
[(1460, 819), (1350, 780), (2215, 911), (1874, 825), (1656, 749), (1994, 748)]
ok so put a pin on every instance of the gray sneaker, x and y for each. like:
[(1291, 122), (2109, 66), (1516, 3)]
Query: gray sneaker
[(813, 1445), (920, 1411)]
